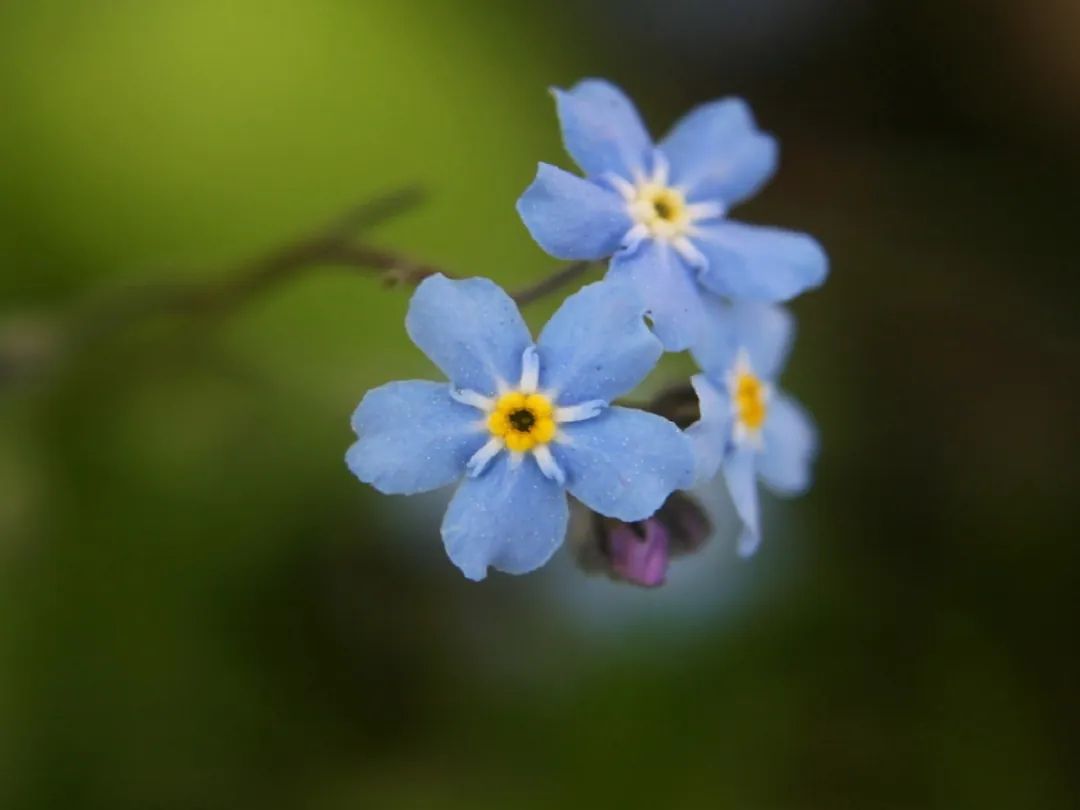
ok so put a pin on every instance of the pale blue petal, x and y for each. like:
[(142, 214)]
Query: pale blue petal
[(572, 218), (624, 463), (752, 263), (413, 437), (602, 130), (596, 345), (711, 434), (739, 474), (667, 288), (765, 331), (790, 441), (717, 152), (470, 329), (717, 344), (511, 518)]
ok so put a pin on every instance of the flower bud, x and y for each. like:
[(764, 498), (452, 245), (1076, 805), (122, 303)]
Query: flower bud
[(640, 552)]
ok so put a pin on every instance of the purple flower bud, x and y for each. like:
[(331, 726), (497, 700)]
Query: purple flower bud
[(639, 552)]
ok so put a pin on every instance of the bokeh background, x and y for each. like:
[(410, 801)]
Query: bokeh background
[(200, 608)]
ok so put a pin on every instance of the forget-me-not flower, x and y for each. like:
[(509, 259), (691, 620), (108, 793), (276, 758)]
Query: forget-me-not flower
[(748, 429), (522, 422), (661, 211)]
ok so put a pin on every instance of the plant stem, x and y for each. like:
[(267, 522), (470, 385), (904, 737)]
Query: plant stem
[(37, 344), (551, 283)]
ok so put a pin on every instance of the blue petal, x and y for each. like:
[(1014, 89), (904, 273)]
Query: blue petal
[(596, 345), (667, 288), (765, 331), (470, 329), (624, 463), (510, 517), (790, 441), (413, 437), (572, 218), (752, 263), (602, 130), (710, 435), (739, 476), (717, 152), (716, 346)]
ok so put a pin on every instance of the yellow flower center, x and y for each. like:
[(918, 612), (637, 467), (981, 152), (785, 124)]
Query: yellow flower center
[(661, 209), (522, 420), (750, 400)]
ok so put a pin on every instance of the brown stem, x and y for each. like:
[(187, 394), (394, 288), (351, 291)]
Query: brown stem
[(331, 246), (548, 285), (395, 270), (62, 338)]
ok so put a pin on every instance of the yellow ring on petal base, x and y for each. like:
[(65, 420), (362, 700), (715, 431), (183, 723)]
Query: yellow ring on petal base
[(522, 420), (661, 209), (751, 404)]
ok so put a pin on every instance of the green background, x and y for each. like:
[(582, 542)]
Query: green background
[(201, 608)]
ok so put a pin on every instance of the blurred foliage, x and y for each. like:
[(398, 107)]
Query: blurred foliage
[(199, 607)]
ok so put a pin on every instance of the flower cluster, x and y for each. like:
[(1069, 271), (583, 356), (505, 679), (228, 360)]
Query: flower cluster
[(521, 423)]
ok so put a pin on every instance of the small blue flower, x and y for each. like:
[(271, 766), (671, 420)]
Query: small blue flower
[(661, 212), (522, 422), (748, 428)]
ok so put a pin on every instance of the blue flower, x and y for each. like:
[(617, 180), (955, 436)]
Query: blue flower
[(661, 212), (749, 429), (522, 422)]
